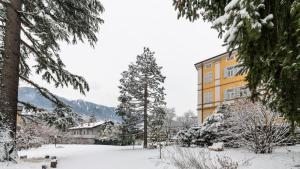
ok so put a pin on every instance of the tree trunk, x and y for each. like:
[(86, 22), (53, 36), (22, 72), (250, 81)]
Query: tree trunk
[(145, 116), (10, 68)]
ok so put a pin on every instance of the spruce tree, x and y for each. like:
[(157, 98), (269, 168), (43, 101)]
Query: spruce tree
[(142, 83), (266, 35), (32, 30)]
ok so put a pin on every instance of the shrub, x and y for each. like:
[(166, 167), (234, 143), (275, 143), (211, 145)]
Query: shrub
[(183, 158)]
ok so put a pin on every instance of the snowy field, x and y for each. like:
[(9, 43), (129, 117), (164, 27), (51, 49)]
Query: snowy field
[(113, 157)]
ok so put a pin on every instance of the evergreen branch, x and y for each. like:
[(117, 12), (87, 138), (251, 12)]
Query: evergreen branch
[(25, 21), (63, 77), (29, 47), (24, 68), (30, 107), (4, 3), (44, 92)]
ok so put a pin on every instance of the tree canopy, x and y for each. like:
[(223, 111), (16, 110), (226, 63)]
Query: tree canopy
[(30, 36), (142, 92), (266, 35)]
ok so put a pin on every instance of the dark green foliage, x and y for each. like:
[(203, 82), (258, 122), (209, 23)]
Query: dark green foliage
[(141, 92), (268, 43), (44, 24)]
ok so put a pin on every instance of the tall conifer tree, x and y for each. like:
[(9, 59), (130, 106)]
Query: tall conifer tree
[(32, 29), (142, 83)]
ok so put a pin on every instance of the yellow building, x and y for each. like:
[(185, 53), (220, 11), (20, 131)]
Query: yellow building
[(218, 83)]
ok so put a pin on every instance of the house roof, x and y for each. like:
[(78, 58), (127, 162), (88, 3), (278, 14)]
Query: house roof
[(89, 125)]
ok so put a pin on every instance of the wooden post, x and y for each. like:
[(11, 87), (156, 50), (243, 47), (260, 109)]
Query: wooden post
[(53, 163), (23, 157), (160, 147), (55, 137), (133, 141)]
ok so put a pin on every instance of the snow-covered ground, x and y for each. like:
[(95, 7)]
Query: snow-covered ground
[(92, 157), (114, 157)]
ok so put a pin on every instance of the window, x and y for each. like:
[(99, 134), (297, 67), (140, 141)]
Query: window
[(231, 71), (207, 66), (229, 94), (234, 93), (208, 77), (208, 97)]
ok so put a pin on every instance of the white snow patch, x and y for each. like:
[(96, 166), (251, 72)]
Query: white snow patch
[(114, 157)]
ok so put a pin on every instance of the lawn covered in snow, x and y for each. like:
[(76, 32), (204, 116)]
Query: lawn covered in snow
[(114, 157)]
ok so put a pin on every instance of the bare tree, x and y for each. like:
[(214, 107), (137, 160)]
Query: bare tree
[(169, 121), (188, 120), (260, 129)]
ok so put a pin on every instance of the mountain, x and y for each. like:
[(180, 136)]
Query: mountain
[(84, 108)]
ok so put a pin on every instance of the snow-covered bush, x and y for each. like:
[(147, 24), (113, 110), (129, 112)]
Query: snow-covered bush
[(216, 128), (28, 136), (110, 134), (242, 123), (185, 137), (34, 134), (259, 128), (183, 158)]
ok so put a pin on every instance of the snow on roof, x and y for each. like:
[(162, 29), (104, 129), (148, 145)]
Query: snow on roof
[(88, 125)]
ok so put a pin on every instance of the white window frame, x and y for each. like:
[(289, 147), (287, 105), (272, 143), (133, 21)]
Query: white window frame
[(231, 71), (237, 92), (208, 77), (229, 94), (208, 97)]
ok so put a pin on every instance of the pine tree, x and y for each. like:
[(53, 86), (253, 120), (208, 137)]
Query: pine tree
[(42, 24), (142, 83), (267, 37)]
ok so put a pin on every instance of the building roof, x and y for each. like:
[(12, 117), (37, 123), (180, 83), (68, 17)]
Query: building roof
[(89, 125), (212, 58)]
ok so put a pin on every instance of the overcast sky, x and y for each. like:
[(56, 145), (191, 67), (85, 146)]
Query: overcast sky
[(129, 26)]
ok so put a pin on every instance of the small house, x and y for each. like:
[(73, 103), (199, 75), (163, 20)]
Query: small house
[(87, 133)]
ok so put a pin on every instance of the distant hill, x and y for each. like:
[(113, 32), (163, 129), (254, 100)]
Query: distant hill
[(83, 108)]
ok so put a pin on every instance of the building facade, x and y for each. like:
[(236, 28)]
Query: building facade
[(87, 133), (218, 83)]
